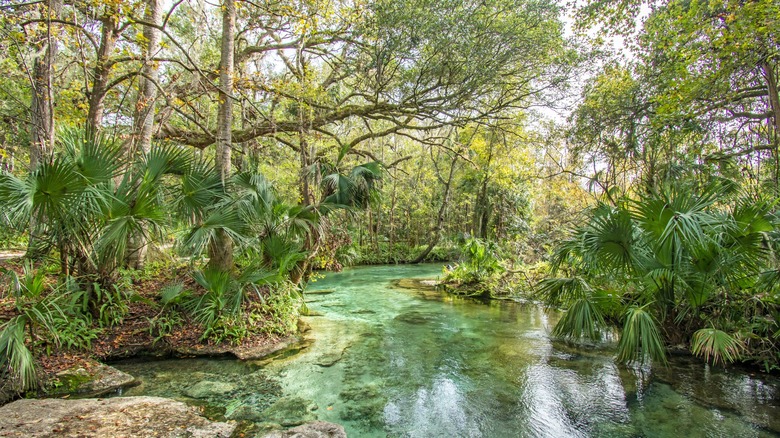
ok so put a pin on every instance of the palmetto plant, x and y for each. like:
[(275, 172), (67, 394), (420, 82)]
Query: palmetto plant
[(88, 200), (38, 314), (357, 188), (659, 266)]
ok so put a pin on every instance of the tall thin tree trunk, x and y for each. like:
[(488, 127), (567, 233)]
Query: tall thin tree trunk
[(42, 105), (305, 188), (436, 232), (221, 250), (774, 102), (393, 198), (97, 95), (143, 121)]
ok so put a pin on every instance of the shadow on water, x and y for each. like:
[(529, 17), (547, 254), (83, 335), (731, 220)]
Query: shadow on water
[(396, 361)]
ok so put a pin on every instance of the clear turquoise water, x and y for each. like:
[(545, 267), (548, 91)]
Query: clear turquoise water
[(387, 361)]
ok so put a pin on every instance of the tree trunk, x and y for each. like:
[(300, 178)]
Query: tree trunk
[(393, 198), (436, 234), (41, 105), (305, 188), (774, 102), (143, 120), (774, 99), (221, 250), (97, 95)]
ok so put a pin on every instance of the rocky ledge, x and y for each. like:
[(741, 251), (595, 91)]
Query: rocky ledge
[(112, 417), (242, 352)]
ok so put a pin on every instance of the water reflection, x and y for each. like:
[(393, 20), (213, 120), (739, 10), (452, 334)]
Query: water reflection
[(404, 363)]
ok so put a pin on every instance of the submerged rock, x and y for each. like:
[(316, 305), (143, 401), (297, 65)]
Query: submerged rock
[(97, 379), (112, 417), (331, 358), (285, 411), (420, 284), (363, 403), (315, 429), (416, 317), (209, 389), (320, 292), (290, 411)]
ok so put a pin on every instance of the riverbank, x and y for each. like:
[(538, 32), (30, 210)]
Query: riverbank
[(64, 341)]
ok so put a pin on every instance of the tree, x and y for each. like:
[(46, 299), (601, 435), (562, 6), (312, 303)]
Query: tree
[(709, 82), (143, 118), (415, 79), (42, 106), (221, 249)]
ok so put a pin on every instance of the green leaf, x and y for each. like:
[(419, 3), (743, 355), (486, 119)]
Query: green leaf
[(716, 345), (640, 338)]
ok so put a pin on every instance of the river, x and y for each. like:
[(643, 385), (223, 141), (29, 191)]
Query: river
[(386, 361)]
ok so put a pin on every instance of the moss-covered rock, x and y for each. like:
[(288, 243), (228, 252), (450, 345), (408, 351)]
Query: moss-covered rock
[(290, 411), (363, 403), (285, 411), (209, 389), (91, 380)]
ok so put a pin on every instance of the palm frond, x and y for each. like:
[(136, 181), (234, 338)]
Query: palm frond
[(15, 354), (640, 338), (716, 345), (173, 293), (16, 199), (558, 292), (583, 319)]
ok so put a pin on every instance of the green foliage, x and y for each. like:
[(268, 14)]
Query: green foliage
[(582, 320), (31, 284), (640, 338), (112, 305), (480, 263), (234, 307), (163, 325), (279, 309), (222, 295), (398, 253), (479, 271), (358, 189), (675, 258), (34, 311), (15, 355), (174, 294), (75, 332), (716, 345), (87, 201)]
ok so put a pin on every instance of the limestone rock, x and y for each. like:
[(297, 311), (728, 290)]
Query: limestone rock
[(290, 411), (243, 352), (113, 417), (96, 380), (209, 389), (315, 429), (331, 358)]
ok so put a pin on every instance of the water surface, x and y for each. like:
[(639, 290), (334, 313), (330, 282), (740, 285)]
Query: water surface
[(388, 361)]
